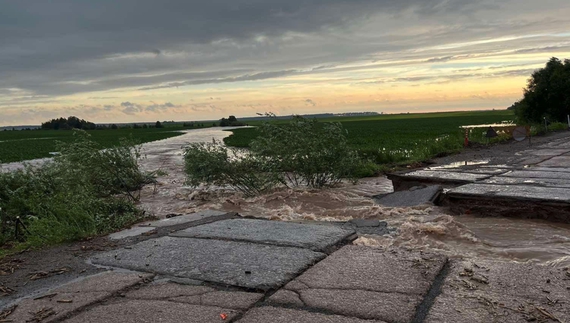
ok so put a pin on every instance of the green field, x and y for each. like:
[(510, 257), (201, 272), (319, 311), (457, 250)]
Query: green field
[(30, 144), (402, 137)]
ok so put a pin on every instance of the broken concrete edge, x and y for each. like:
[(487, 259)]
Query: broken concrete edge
[(415, 196), (147, 232), (404, 183), (508, 207), (184, 218), (144, 278)]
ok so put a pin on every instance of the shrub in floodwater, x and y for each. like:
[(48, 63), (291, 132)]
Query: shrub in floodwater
[(215, 164), (307, 152), (84, 191), (302, 152)]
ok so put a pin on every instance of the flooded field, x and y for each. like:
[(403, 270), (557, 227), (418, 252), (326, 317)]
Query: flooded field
[(422, 228)]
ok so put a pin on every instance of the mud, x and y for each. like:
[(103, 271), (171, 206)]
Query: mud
[(424, 227)]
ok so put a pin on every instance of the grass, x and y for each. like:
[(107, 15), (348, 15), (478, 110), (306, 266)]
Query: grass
[(401, 138), (31, 144)]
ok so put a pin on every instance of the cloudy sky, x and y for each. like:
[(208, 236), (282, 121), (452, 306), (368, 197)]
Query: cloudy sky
[(147, 60)]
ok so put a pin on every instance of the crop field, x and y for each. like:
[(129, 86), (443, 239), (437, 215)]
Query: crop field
[(30, 144), (403, 137)]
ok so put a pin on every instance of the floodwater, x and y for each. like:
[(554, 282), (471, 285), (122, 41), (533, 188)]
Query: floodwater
[(424, 227)]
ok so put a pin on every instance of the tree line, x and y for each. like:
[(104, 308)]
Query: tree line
[(547, 94)]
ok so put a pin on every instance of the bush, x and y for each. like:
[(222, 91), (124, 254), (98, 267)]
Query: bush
[(83, 192), (307, 152), (302, 152)]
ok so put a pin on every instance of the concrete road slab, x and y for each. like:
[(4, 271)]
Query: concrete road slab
[(549, 182), (559, 161), (549, 169), (524, 192), (137, 311), (283, 315), (132, 232), (314, 237), (427, 195), (547, 152), (531, 173), (183, 219), (447, 175), (367, 283), (227, 262), (61, 302), (483, 169), (492, 291), (197, 295)]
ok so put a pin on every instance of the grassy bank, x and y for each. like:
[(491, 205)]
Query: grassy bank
[(85, 191), (25, 145), (402, 138)]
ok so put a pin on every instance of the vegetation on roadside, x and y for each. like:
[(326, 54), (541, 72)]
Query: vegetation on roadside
[(300, 152), (547, 95), (86, 190), (400, 138)]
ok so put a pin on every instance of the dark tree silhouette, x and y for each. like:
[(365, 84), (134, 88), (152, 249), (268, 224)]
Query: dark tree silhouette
[(547, 94)]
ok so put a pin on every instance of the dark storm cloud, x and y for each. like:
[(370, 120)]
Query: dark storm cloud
[(50, 49), (46, 42)]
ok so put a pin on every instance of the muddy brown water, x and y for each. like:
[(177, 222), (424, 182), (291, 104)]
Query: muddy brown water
[(424, 228)]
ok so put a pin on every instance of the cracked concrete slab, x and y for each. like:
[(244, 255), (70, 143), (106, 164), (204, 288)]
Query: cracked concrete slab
[(183, 219), (549, 182), (136, 311), (531, 173), (59, 303), (558, 161), (447, 175), (314, 237), (233, 263), (367, 283), (283, 315), (197, 295), (426, 195), (526, 192), (494, 291)]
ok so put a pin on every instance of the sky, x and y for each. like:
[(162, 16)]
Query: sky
[(147, 60)]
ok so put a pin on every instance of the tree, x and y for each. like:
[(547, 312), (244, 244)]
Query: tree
[(547, 94), (158, 124)]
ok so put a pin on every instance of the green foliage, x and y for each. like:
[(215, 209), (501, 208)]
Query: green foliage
[(302, 152), (547, 94), (307, 152), (85, 191), (400, 138), (25, 145), (216, 164)]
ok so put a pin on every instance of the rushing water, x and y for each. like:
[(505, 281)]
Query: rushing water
[(425, 227)]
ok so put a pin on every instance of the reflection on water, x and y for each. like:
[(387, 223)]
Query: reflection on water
[(424, 227)]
